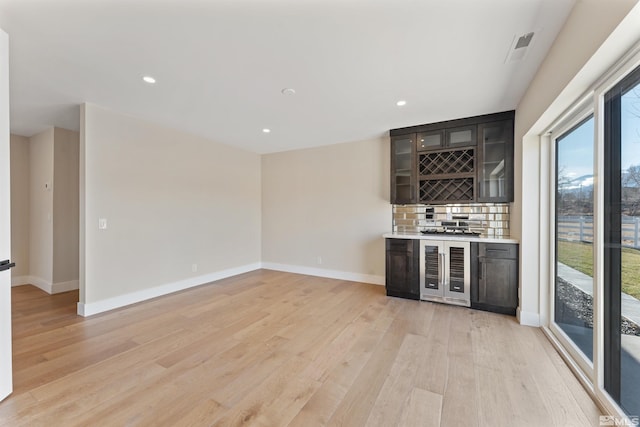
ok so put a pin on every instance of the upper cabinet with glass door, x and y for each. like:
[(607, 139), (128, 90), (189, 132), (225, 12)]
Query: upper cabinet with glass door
[(432, 140), (464, 136), (403, 170), (495, 162)]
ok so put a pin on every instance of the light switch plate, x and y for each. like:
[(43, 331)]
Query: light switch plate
[(102, 223)]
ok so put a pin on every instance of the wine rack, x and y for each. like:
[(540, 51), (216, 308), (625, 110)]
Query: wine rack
[(447, 176)]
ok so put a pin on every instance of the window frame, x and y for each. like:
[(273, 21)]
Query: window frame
[(571, 122)]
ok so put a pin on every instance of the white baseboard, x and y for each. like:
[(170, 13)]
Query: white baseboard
[(71, 285), (20, 280), (528, 318), (48, 287), (96, 307), (321, 272), (39, 282)]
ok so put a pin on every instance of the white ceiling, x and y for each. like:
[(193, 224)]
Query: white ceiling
[(221, 65)]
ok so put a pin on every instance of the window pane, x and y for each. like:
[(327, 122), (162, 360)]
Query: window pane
[(630, 251), (574, 236)]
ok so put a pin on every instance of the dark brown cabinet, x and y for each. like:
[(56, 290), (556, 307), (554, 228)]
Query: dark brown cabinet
[(403, 170), (402, 268), (433, 140), (457, 161), (494, 277), (495, 162), (463, 136)]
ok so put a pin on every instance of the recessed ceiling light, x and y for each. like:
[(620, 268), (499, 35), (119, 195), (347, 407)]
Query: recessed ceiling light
[(266, 130), (149, 79), (401, 103), (288, 91)]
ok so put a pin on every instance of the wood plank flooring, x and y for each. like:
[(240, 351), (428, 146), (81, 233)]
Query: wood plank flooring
[(268, 348)]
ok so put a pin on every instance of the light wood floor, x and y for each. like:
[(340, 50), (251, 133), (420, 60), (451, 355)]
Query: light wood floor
[(278, 349)]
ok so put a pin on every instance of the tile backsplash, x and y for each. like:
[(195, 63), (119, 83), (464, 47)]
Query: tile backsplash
[(489, 219)]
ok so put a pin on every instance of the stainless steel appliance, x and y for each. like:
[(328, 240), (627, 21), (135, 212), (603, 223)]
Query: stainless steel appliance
[(445, 271), (451, 227)]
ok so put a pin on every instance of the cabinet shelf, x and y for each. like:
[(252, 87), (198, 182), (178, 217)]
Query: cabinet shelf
[(445, 176)]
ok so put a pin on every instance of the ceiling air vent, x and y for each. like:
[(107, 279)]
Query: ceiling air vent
[(519, 47)]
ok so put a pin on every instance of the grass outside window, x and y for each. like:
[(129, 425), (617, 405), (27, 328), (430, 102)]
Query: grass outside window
[(579, 256)]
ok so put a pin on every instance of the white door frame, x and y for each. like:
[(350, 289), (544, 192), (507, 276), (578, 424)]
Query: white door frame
[(6, 381)]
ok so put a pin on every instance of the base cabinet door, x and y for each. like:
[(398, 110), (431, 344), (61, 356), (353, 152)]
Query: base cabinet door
[(401, 275), (495, 281), (495, 284)]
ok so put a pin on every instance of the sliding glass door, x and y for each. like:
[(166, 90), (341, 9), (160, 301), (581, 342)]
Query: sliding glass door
[(573, 290), (622, 243), (594, 246)]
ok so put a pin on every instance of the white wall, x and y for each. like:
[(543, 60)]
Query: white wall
[(171, 200), (44, 170), (41, 208), (65, 209), (19, 207), (583, 50), (330, 202)]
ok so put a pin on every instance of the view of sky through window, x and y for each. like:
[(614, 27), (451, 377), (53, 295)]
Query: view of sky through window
[(631, 128), (575, 158)]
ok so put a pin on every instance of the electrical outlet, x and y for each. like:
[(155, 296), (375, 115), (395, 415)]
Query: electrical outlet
[(194, 267), (319, 260), (102, 223)]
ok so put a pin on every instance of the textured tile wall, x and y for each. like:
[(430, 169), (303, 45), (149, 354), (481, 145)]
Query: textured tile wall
[(490, 219)]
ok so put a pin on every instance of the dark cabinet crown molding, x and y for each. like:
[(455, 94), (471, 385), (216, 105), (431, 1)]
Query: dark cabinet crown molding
[(505, 115)]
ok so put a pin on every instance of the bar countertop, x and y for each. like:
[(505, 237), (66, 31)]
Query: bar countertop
[(453, 237)]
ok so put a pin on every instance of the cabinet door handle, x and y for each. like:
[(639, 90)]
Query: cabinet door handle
[(484, 284), (442, 272)]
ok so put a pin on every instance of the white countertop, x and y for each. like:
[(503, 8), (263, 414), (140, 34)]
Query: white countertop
[(459, 238)]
